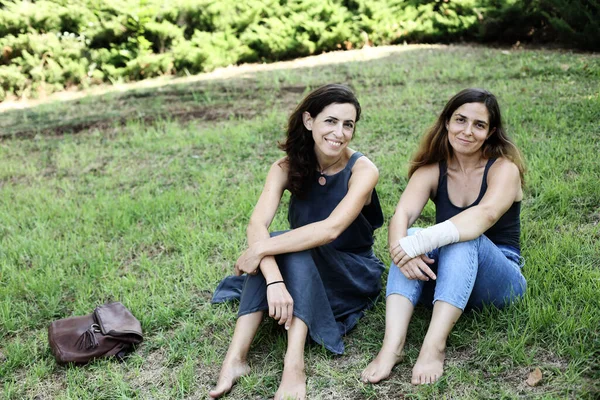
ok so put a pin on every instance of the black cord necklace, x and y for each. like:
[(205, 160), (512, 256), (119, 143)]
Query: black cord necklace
[(322, 180)]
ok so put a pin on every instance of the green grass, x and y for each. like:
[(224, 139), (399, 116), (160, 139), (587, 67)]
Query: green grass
[(143, 196)]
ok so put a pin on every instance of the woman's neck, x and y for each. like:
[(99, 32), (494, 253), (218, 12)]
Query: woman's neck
[(332, 164), (467, 163)]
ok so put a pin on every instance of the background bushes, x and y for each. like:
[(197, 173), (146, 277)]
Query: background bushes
[(49, 45)]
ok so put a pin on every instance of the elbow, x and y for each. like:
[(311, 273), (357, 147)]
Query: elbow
[(331, 234), (490, 216), (252, 226)]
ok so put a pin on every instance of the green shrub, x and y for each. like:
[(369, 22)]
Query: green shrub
[(148, 66), (58, 43), (12, 80), (571, 23)]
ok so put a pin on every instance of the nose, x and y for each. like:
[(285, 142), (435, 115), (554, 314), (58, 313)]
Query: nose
[(339, 128), (469, 129)]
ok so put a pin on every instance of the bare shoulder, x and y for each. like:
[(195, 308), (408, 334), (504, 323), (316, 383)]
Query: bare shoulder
[(364, 165), (429, 173), (281, 165), (425, 179), (505, 173), (505, 168)]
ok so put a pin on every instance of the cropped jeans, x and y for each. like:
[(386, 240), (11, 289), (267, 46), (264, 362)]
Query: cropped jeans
[(469, 275)]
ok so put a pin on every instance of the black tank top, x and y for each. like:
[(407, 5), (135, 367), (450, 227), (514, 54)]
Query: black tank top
[(506, 231)]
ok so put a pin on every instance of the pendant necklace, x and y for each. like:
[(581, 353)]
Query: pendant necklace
[(322, 180)]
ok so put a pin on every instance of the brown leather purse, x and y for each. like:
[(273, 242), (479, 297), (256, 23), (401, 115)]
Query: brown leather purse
[(111, 330)]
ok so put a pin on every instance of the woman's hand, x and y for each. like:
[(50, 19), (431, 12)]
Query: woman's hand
[(281, 304), (248, 262), (412, 268)]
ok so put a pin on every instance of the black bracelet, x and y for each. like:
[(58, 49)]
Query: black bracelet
[(274, 282)]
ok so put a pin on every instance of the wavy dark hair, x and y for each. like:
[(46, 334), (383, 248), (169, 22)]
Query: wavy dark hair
[(435, 146), (300, 145)]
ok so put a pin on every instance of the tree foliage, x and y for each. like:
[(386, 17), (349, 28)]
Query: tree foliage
[(48, 45)]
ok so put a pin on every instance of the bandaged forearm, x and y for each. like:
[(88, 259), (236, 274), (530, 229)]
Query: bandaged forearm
[(431, 238)]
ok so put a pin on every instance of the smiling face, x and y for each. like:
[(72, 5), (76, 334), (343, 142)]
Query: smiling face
[(332, 130), (468, 128)]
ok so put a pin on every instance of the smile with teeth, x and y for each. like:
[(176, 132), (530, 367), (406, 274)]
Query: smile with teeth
[(333, 142)]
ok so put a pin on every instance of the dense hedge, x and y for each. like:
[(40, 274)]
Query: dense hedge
[(48, 45)]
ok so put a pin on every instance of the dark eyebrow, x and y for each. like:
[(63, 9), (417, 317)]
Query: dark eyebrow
[(477, 120), (348, 120)]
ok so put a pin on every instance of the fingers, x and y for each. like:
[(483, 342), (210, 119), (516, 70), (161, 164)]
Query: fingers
[(236, 270), (397, 254), (425, 268), (417, 269), (413, 273), (277, 314), (288, 322), (401, 259), (271, 310), (428, 260), (281, 306), (287, 313), (283, 314)]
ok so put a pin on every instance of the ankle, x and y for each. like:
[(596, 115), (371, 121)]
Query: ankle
[(438, 346), (293, 363), (235, 359), (394, 347)]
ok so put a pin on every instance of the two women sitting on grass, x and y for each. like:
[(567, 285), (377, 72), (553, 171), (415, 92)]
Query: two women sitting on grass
[(317, 278)]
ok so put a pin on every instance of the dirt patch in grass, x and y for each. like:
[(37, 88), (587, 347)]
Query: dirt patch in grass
[(52, 387), (177, 103), (151, 375)]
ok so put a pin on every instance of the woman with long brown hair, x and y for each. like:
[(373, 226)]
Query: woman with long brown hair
[(317, 278), (468, 166)]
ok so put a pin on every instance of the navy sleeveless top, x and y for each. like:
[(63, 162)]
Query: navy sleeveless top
[(506, 231), (322, 200)]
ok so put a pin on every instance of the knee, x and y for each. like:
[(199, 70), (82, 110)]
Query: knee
[(521, 288), (412, 231)]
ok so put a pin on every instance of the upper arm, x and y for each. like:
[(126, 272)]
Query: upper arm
[(360, 187), (269, 199), (421, 187), (504, 188)]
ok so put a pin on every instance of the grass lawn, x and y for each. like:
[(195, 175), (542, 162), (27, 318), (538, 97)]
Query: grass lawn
[(143, 196)]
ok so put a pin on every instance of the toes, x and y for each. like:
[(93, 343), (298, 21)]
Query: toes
[(365, 376)]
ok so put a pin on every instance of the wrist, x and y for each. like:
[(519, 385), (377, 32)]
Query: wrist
[(276, 282), (393, 240), (260, 248)]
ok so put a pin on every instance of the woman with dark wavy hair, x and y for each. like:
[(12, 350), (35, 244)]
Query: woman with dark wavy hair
[(317, 278), (473, 173)]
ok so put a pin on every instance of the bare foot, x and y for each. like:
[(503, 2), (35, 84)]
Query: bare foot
[(429, 366), (231, 371), (293, 383), (381, 367)]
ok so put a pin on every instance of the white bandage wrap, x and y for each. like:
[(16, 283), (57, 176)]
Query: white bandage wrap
[(431, 238)]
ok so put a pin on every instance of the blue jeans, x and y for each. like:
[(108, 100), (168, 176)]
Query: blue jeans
[(469, 275)]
